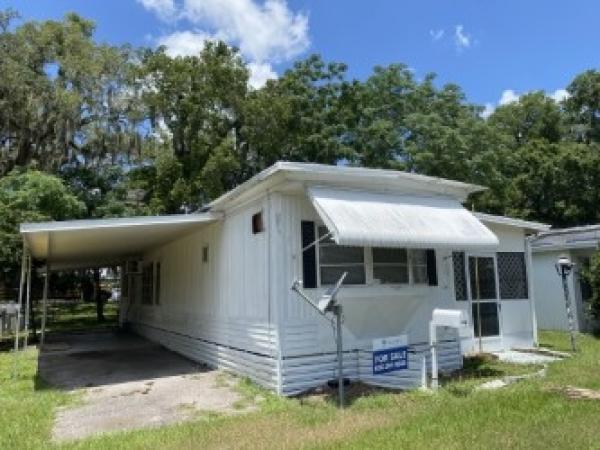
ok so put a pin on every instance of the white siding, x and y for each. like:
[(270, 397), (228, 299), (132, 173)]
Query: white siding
[(218, 311), (550, 300)]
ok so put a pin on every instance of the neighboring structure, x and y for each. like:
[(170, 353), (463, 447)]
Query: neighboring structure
[(216, 285), (578, 244)]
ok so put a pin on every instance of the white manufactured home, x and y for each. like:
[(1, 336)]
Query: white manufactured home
[(215, 286), (578, 244)]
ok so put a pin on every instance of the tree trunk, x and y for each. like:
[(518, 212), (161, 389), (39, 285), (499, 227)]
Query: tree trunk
[(98, 296)]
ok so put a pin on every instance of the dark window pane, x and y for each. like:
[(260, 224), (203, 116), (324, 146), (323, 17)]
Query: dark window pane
[(322, 232), (483, 278), (390, 273), (512, 274), (460, 277), (336, 254), (490, 325), (390, 255), (330, 275)]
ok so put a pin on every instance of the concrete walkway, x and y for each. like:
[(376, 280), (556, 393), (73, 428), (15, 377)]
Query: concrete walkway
[(127, 383)]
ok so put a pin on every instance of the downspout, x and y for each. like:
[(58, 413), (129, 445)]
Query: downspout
[(529, 265)]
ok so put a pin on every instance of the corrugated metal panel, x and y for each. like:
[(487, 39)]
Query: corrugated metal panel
[(306, 372), (372, 219), (262, 369)]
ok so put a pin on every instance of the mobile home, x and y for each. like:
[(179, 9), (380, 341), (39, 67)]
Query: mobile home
[(215, 285)]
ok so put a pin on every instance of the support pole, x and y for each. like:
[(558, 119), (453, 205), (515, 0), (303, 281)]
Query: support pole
[(16, 356), (27, 299), (569, 310), (434, 365), (44, 304), (340, 354)]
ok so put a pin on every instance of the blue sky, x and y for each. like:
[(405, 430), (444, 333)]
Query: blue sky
[(493, 49)]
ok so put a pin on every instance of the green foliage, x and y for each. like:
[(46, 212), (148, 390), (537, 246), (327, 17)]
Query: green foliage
[(31, 196), (591, 275)]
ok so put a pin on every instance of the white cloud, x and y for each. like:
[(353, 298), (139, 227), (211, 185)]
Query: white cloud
[(436, 35), (488, 110), (184, 43), (559, 95), (260, 73), (265, 31), (508, 96), (164, 9), (461, 38), (262, 31)]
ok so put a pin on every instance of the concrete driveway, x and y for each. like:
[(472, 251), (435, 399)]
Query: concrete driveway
[(128, 382)]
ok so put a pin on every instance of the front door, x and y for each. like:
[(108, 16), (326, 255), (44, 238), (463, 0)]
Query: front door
[(485, 307)]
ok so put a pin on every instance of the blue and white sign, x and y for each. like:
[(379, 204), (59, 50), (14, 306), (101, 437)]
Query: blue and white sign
[(390, 354)]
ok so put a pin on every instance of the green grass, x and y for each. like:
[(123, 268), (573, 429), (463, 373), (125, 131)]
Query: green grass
[(531, 414)]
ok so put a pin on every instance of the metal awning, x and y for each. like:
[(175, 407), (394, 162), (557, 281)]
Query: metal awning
[(371, 219), (96, 242)]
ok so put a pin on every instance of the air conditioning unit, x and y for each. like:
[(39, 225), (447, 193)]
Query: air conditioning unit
[(133, 267)]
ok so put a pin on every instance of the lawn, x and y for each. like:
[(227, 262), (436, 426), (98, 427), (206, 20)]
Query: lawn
[(534, 413)]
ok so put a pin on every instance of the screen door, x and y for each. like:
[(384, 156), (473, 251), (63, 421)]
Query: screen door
[(484, 296)]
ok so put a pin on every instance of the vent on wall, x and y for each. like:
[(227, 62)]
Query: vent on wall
[(258, 225)]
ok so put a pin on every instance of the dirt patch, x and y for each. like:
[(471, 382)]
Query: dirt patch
[(580, 393)]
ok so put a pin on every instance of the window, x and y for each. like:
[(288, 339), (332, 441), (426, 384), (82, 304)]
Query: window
[(335, 259), (157, 285), (147, 284), (390, 265), (205, 254), (257, 223), (418, 263), (512, 274), (460, 275)]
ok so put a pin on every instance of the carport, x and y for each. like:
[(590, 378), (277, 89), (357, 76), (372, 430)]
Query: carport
[(82, 244)]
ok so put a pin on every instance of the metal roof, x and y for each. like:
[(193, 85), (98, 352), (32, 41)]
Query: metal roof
[(90, 243), (372, 219), (510, 221), (349, 177), (567, 238)]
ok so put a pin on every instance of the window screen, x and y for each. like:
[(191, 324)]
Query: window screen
[(390, 265), (460, 276), (335, 259), (512, 272)]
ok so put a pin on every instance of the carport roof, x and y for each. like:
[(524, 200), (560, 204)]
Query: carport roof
[(92, 243)]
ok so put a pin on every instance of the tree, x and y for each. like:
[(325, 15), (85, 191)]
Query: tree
[(63, 98), (199, 100), (532, 116), (583, 106), (591, 275), (30, 196)]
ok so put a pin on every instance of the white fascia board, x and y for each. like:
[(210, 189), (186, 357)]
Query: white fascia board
[(86, 224)]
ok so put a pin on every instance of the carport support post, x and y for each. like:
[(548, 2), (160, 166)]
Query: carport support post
[(44, 304)]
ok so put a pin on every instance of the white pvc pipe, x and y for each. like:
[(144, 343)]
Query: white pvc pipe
[(434, 365)]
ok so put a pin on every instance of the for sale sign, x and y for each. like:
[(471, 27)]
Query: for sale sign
[(390, 354)]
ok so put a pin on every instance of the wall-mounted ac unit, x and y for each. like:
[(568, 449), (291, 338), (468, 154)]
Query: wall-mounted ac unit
[(133, 267)]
